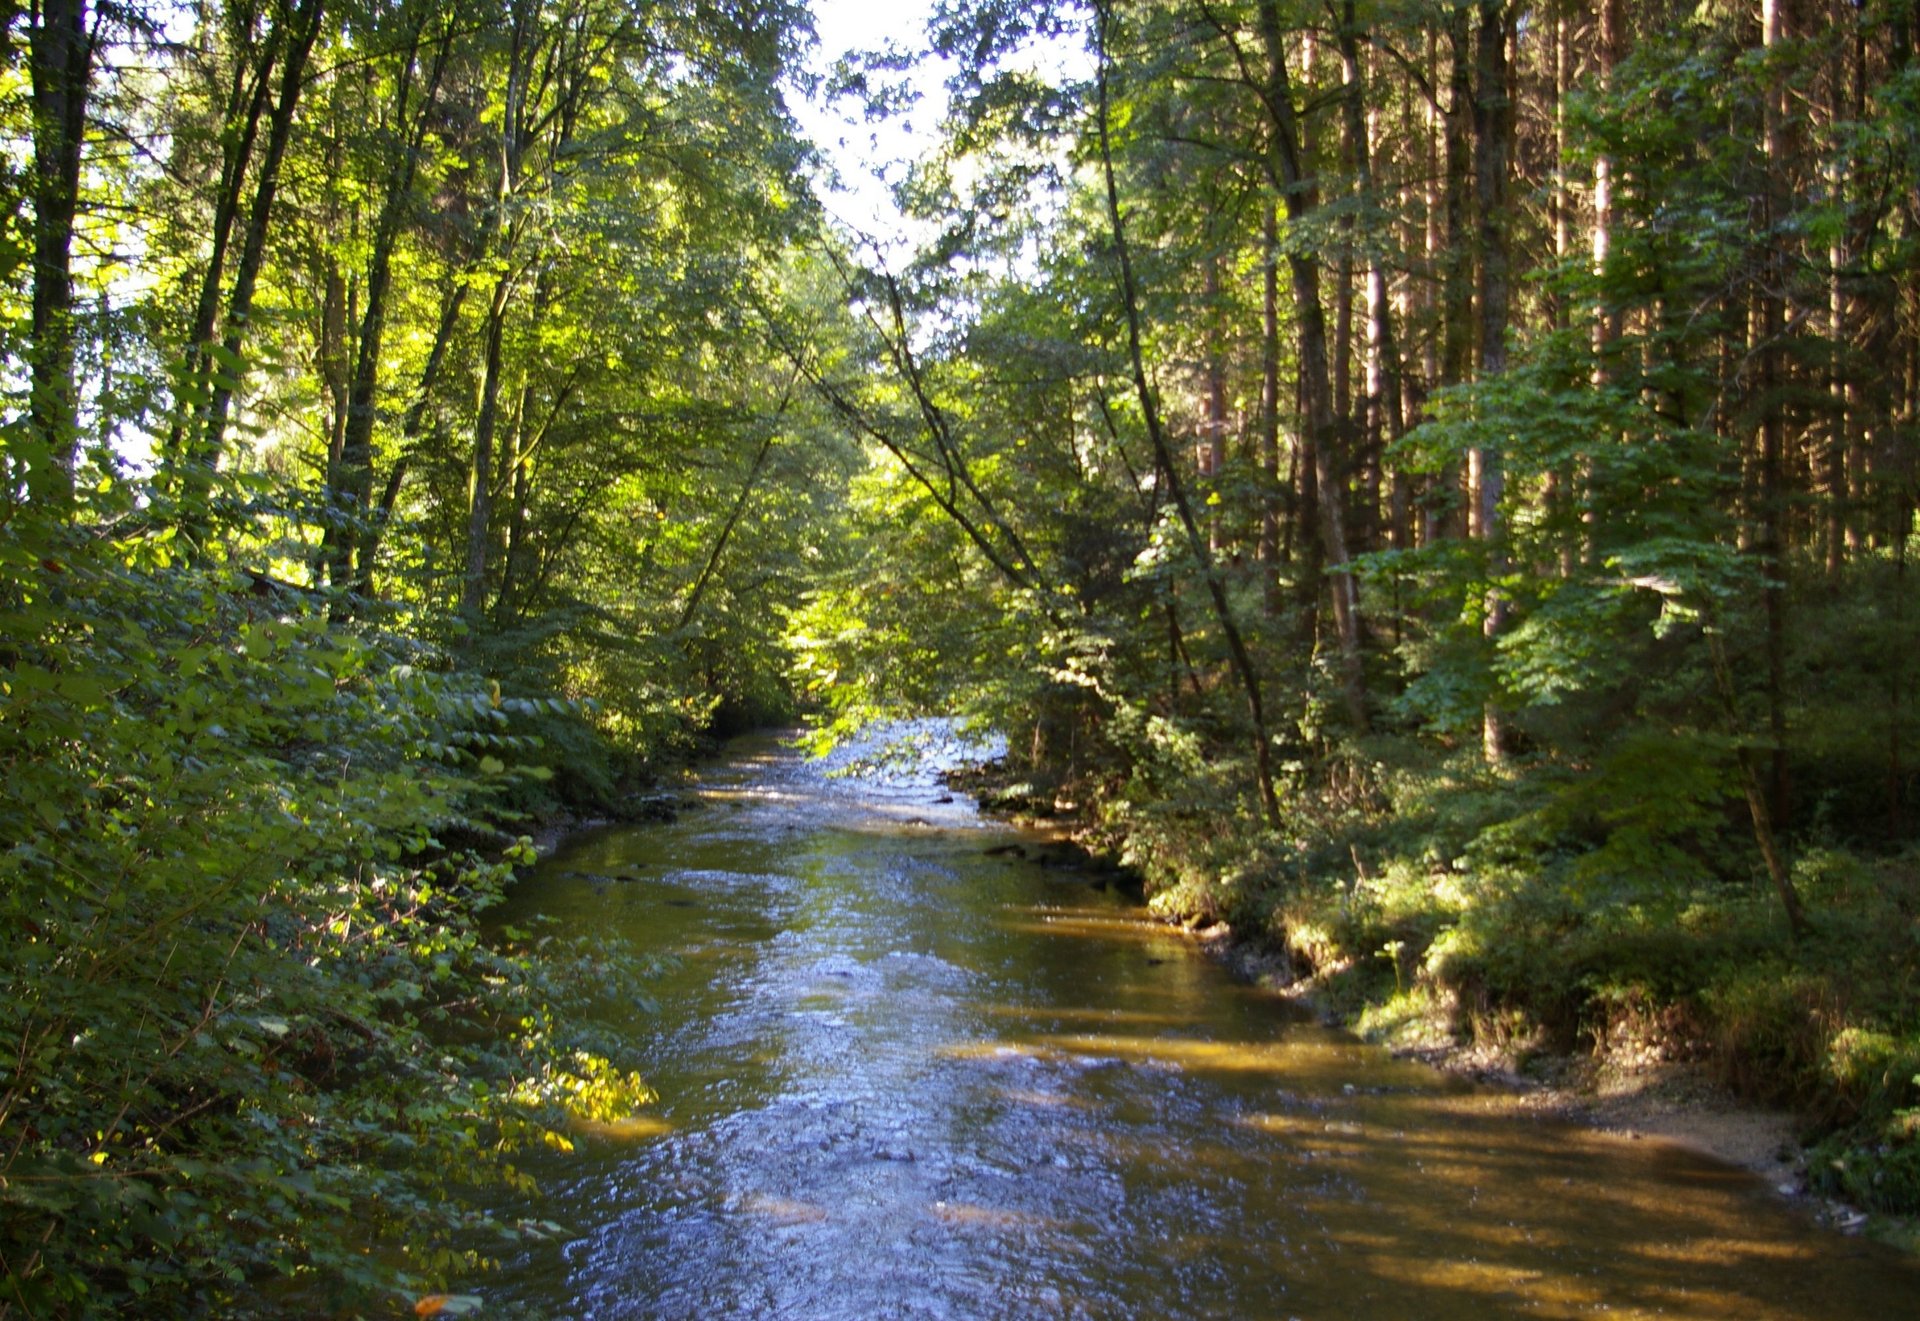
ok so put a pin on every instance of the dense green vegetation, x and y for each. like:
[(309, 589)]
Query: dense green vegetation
[(1432, 484), (396, 454)]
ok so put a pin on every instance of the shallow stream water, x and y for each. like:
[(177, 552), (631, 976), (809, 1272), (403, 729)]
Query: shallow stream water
[(905, 1071)]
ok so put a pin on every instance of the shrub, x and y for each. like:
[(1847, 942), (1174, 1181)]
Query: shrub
[(255, 1046)]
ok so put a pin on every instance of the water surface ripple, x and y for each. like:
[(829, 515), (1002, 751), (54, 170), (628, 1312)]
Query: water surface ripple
[(906, 1073)]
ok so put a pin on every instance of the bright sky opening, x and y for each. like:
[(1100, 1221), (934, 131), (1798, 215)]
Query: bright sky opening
[(871, 156)]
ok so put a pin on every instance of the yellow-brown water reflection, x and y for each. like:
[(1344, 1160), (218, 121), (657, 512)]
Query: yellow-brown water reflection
[(959, 1215), (628, 1128), (1101, 1014), (1040, 921), (904, 1076), (1304, 1060), (781, 1210)]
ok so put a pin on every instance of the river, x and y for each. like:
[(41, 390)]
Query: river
[(905, 1071)]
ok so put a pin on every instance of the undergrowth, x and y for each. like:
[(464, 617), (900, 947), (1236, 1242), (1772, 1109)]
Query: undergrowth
[(259, 1057), (1615, 906)]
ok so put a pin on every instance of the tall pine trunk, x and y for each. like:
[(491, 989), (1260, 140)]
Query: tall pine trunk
[(1493, 154), (1316, 383), (1773, 427), (60, 50)]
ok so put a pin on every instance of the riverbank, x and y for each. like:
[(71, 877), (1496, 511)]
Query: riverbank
[(899, 1064), (1625, 1087), (1616, 1043), (1628, 1090)]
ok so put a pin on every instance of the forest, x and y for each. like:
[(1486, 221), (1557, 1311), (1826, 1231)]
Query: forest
[(1428, 483)]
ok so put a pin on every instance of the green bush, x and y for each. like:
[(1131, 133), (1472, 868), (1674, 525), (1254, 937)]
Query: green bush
[(1879, 1173), (255, 1048)]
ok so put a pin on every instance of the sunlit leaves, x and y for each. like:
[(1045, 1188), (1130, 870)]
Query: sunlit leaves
[(242, 977)]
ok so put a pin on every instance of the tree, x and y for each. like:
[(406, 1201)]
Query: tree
[(62, 37)]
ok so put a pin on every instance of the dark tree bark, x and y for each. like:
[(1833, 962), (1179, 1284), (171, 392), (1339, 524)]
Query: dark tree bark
[(1493, 157), (712, 565), (1288, 176), (60, 50), (523, 46), (1386, 405), (247, 106), (1771, 545), (304, 28), (473, 584), (1270, 392), (1213, 448)]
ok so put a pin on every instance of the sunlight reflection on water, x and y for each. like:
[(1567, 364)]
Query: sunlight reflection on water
[(903, 1077)]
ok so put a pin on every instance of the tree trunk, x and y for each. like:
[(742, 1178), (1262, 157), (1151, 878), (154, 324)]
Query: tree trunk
[(1764, 834), (412, 430), (1456, 288), (1289, 178), (1839, 319), (1435, 247), (524, 444), (1493, 154), (1897, 679), (1609, 42), (352, 491), (1773, 431), (60, 65), (1270, 394), (238, 133), (1561, 495), (1223, 611), (305, 23), (739, 508), (473, 584), (1213, 446), (513, 135), (1386, 407)]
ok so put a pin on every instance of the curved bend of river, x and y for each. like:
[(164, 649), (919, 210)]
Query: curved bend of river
[(906, 1073)]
